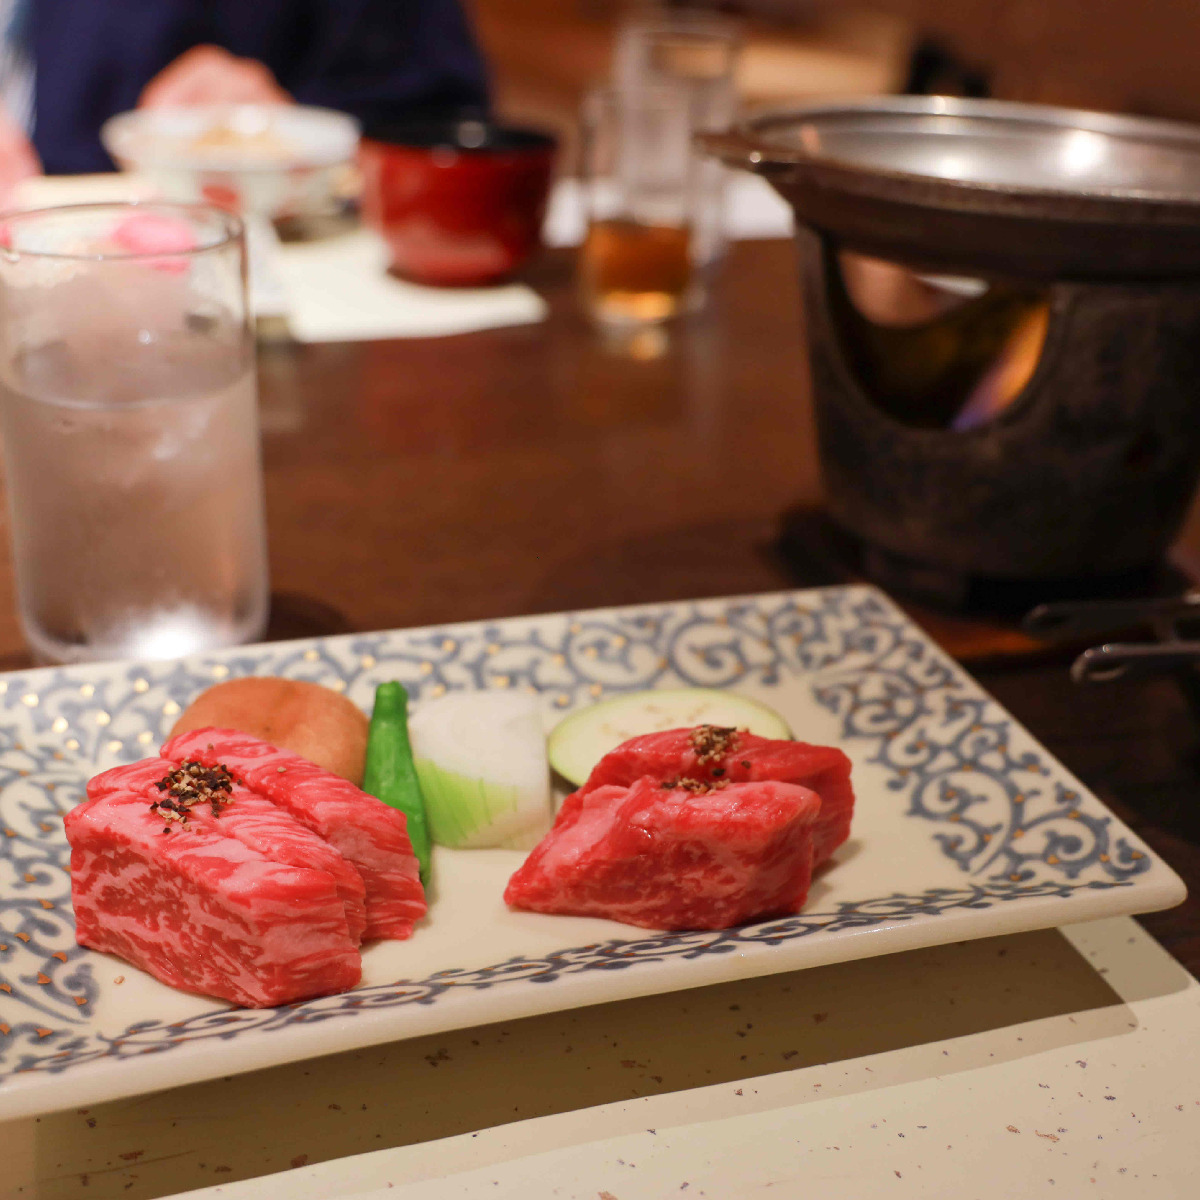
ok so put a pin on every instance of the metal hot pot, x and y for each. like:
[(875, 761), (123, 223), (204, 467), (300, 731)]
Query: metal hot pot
[(1031, 409)]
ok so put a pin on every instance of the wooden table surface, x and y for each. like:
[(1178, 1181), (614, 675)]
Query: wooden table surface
[(534, 469)]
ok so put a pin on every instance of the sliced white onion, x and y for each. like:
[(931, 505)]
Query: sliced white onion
[(481, 760)]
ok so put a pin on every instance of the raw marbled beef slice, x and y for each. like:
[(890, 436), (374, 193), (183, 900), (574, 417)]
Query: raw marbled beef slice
[(255, 822), (366, 831), (203, 912), (673, 859), (671, 755)]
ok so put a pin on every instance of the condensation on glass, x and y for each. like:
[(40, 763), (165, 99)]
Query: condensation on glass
[(128, 410)]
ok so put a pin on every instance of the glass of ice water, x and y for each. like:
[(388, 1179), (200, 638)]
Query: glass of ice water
[(129, 423)]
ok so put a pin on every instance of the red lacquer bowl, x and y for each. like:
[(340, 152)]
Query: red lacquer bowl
[(460, 202)]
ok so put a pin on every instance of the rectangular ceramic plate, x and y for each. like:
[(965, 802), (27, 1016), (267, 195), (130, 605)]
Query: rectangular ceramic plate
[(965, 827)]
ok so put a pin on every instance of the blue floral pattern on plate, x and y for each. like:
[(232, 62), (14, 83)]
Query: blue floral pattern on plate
[(1014, 826)]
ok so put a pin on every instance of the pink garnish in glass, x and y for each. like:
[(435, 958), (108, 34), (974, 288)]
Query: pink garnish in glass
[(155, 233)]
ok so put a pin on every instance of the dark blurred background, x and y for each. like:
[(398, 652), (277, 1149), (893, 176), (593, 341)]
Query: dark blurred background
[(1109, 54)]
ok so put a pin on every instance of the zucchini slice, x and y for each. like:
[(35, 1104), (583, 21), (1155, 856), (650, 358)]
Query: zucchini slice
[(579, 741)]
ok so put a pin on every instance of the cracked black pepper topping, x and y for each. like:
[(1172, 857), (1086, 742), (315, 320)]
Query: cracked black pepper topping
[(191, 784), (698, 787), (713, 742)]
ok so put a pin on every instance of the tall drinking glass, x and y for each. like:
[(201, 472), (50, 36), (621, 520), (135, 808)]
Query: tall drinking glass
[(128, 414), (697, 51), (638, 180)]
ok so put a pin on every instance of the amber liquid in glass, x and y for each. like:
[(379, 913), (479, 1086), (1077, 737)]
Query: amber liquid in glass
[(633, 273)]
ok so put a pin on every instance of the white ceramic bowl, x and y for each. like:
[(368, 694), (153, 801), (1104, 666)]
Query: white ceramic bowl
[(269, 160)]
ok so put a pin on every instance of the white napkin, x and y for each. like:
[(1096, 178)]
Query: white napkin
[(338, 290), (754, 209)]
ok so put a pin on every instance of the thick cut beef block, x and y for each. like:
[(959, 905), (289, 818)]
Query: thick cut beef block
[(202, 911), (709, 754), (674, 858), (367, 832), (255, 822)]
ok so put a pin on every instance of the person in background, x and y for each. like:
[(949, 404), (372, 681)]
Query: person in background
[(66, 66)]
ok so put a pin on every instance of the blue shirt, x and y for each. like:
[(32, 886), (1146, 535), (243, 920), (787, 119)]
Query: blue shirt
[(374, 59)]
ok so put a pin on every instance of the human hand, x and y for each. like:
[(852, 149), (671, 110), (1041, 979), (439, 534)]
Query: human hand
[(210, 75), (18, 159)]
